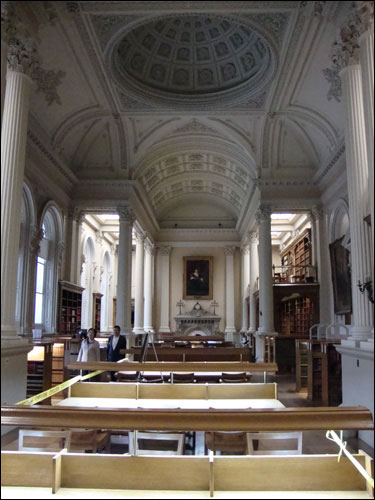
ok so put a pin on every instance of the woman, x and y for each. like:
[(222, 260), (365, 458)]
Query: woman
[(90, 348)]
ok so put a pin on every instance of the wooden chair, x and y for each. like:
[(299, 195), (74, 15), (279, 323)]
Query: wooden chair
[(260, 437), (42, 439), (89, 440), (156, 443), (182, 378), (127, 376), (235, 378), (227, 442)]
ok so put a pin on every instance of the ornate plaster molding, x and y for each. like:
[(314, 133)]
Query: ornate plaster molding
[(36, 236), (245, 249)]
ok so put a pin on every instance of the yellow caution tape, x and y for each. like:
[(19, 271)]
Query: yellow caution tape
[(54, 390), (93, 374), (50, 392)]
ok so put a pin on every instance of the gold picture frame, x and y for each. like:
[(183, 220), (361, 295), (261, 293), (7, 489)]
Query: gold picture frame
[(197, 282)]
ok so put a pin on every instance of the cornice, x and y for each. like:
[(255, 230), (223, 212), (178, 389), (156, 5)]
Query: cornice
[(49, 155), (333, 160)]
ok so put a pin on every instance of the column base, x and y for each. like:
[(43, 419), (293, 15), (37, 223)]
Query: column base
[(244, 329), (164, 329), (252, 329), (149, 329), (360, 333), (265, 333), (230, 329), (137, 330)]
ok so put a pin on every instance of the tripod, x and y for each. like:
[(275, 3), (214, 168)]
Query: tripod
[(149, 339)]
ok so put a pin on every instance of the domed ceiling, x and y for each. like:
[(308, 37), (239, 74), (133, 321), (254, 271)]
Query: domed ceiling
[(193, 56)]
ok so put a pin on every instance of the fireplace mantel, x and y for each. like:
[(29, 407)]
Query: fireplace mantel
[(197, 321)]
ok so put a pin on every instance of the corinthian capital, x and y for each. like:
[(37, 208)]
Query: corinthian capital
[(229, 250), (263, 214), (253, 237), (22, 55), (365, 11), (317, 212), (126, 213), (165, 250)]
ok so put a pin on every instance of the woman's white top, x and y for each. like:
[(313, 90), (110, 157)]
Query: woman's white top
[(89, 351)]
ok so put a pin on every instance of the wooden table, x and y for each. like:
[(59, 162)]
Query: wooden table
[(198, 404)]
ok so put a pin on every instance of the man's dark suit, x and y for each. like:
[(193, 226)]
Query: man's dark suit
[(114, 354)]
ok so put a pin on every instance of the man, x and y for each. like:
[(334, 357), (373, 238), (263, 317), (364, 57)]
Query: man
[(115, 343)]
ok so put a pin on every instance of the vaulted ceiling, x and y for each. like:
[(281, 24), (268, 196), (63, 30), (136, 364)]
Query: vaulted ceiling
[(202, 106)]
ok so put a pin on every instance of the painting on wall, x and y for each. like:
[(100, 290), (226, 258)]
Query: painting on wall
[(341, 278), (197, 280)]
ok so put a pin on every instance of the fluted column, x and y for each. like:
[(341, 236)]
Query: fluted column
[(366, 44), (266, 321), (253, 238), (357, 176), (13, 148), (245, 250), (149, 255), (75, 265), (164, 253), (8, 30), (139, 282), (229, 292), (321, 260), (123, 301)]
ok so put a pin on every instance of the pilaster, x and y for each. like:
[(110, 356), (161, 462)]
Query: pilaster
[(164, 254)]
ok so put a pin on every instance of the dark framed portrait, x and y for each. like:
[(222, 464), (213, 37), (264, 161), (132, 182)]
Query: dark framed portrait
[(341, 278), (198, 278)]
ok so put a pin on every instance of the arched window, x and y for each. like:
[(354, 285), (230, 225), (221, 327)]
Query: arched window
[(47, 271), (25, 273), (105, 290), (88, 259)]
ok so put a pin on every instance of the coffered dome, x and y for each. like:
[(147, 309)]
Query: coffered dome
[(192, 56)]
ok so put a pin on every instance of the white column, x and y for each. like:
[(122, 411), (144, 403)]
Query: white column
[(8, 30), (13, 148), (254, 265), (366, 43), (229, 293), (245, 250), (320, 241), (75, 263), (149, 256), (266, 322), (164, 253), (358, 191), (123, 300), (139, 282)]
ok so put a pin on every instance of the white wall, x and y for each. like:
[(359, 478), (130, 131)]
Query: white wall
[(176, 283)]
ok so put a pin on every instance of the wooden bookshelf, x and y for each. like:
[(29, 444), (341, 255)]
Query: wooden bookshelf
[(324, 373), (70, 308), (301, 365), (96, 310), (39, 368), (295, 256)]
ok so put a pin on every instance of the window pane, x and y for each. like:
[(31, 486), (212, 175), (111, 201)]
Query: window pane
[(38, 308), (40, 278)]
